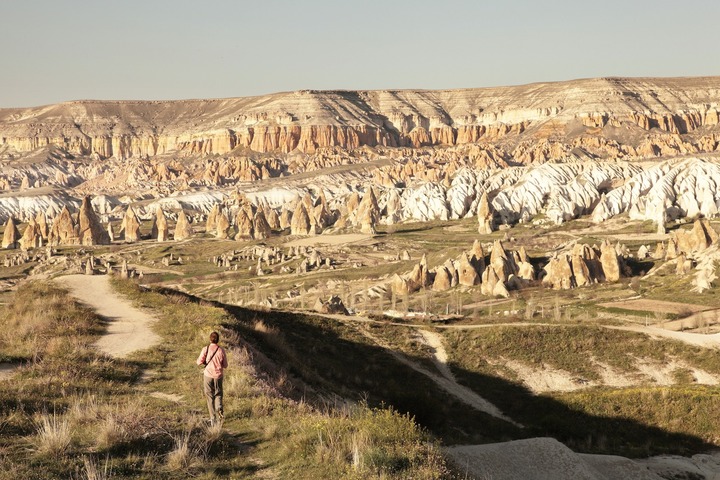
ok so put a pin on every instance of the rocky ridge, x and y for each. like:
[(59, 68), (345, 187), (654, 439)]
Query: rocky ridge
[(309, 120)]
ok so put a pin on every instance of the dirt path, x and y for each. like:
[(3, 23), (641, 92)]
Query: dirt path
[(652, 306), (342, 239), (446, 381), (699, 339), (128, 329), (440, 356)]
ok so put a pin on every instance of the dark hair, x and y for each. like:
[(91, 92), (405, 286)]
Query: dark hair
[(214, 337)]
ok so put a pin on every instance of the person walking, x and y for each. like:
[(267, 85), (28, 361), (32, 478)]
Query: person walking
[(215, 361)]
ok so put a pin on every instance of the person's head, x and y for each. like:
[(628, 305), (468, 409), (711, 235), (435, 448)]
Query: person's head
[(214, 337)]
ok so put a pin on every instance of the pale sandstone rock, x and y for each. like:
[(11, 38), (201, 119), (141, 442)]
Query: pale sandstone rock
[(581, 272), (160, 230), (272, 218), (501, 262), (559, 274), (261, 227), (500, 290), (11, 237), (183, 229), (130, 226), (477, 257), (610, 263), (212, 219), (31, 237), (485, 216), (285, 219), (467, 275), (660, 251), (244, 225), (489, 281), (451, 267), (91, 231), (526, 271), (64, 230), (300, 224), (367, 213), (684, 265), (443, 280), (700, 237), (41, 221), (401, 286), (223, 225)]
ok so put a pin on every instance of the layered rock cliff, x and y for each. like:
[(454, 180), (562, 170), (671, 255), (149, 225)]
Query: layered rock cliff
[(608, 116)]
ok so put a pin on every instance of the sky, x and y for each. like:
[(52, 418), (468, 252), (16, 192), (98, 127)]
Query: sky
[(62, 50)]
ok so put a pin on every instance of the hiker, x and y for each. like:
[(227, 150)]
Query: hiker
[(214, 359)]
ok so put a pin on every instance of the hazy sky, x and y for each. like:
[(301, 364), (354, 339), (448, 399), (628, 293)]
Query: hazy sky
[(58, 50)]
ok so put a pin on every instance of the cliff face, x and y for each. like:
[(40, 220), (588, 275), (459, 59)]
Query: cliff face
[(306, 121)]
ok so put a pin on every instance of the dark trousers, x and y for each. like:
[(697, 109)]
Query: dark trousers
[(213, 388)]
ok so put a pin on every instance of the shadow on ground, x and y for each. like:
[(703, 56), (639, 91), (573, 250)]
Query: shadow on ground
[(333, 358)]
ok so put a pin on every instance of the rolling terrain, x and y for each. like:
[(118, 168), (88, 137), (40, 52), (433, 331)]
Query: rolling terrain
[(412, 284)]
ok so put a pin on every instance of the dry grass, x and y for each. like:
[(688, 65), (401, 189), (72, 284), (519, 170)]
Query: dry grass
[(53, 434), (93, 471), (124, 422), (183, 456)]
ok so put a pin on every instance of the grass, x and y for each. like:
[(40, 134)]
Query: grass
[(637, 421), (312, 397), (53, 434), (103, 417), (274, 424)]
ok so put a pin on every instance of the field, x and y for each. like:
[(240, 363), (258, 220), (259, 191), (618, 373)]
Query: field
[(375, 394)]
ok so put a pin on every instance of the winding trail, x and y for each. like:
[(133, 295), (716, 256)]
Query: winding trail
[(698, 339), (128, 329), (445, 380)]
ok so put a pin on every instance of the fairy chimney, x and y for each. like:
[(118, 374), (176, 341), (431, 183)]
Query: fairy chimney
[(90, 229), (285, 219), (160, 230), (11, 237), (222, 225), (183, 229), (300, 224), (64, 229), (130, 226), (244, 225), (212, 219), (261, 226), (485, 216)]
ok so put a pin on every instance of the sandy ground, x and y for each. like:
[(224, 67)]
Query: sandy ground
[(548, 459), (328, 240), (128, 328), (699, 339), (440, 356), (541, 459), (699, 320), (146, 269), (660, 306)]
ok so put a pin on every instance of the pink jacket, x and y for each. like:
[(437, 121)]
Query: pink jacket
[(214, 369)]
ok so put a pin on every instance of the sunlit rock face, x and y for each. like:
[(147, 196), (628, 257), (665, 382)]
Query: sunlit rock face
[(308, 121)]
